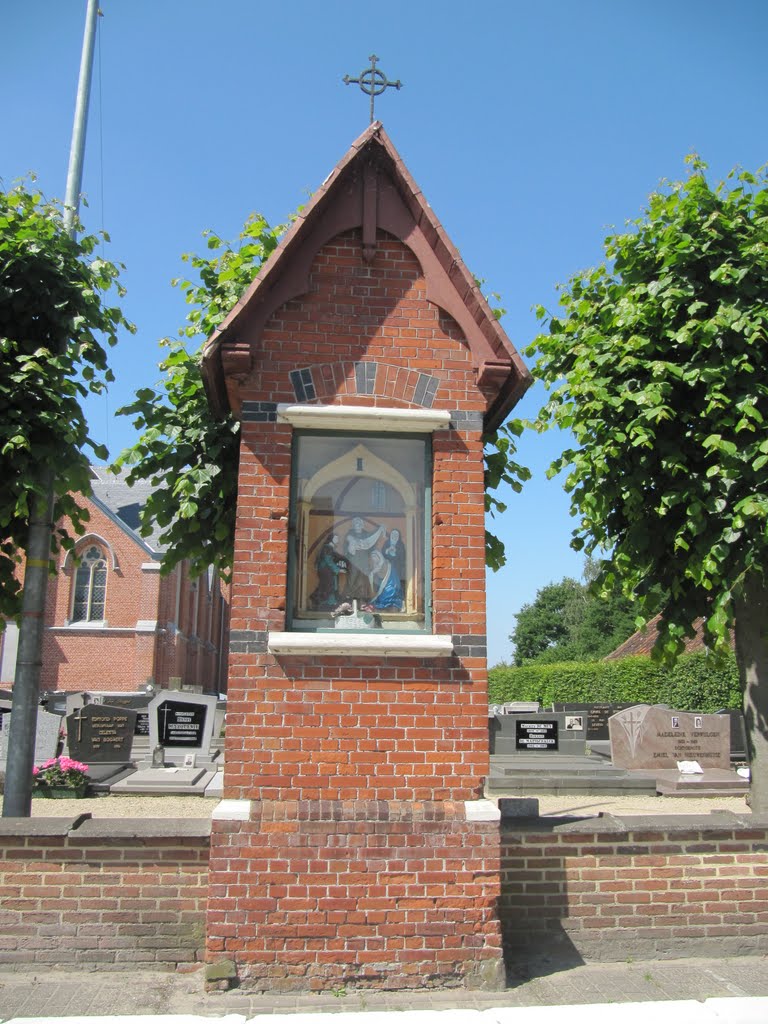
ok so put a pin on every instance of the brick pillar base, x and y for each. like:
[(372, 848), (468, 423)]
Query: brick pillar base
[(386, 894)]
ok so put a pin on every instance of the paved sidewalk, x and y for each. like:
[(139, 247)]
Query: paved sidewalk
[(54, 995)]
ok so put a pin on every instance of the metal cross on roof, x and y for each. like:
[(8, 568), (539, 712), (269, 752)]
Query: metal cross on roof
[(372, 81)]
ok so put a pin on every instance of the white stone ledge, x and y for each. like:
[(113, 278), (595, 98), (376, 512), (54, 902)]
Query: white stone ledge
[(375, 645), (363, 417), (232, 810), (481, 810)]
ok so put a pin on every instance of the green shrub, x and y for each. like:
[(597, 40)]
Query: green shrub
[(697, 682)]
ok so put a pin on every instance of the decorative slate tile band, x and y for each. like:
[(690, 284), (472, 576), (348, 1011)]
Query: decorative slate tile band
[(259, 412), (303, 385), (470, 645), (248, 641), (365, 378), (466, 421), (426, 389)]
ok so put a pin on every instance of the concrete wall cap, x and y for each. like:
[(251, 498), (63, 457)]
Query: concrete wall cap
[(232, 810), (481, 810)]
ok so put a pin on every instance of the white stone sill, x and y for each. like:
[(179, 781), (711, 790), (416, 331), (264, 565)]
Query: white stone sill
[(375, 645), (363, 417)]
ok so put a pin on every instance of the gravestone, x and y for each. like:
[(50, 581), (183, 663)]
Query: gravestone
[(597, 716), (652, 737), (182, 724), (47, 732), (101, 736), (738, 733), (542, 732)]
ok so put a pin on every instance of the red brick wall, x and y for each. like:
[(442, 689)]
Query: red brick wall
[(611, 889), (113, 894), (309, 895), (384, 750), (336, 728), (386, 900)]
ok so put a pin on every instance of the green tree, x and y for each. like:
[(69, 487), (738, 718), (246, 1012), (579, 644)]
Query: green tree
[(659, 368), (568, 622), (191, 457), (55, 329)]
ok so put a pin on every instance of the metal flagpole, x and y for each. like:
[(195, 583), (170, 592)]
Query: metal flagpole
[(17, 802)]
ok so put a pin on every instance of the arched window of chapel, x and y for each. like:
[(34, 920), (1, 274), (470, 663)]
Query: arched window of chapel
[(90, 586)]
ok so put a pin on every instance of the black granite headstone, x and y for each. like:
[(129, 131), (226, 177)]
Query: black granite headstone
[(536, 734), (181, 724), (100, 734)]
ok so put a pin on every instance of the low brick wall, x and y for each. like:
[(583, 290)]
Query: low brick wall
[(652, 887), (82, 892)]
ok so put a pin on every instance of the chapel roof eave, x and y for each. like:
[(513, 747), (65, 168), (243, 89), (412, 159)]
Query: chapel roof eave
[(501, 372)]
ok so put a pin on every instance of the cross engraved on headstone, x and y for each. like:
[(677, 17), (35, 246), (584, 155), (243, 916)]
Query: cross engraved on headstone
[(372, 81), (78, 717)]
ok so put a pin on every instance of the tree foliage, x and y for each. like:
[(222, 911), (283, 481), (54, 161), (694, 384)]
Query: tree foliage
[(189, 455), (568, 622), (693, 683), (660, 369), (56, 326), (501, 468)]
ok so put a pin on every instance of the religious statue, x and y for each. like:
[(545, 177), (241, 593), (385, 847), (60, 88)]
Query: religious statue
[(394, 552), (329, 564), (357, 549), (386, 589)]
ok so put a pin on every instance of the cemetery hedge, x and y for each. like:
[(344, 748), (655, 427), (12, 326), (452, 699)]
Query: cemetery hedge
[(696, 682)]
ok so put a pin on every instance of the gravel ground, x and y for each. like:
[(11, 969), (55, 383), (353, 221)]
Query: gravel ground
[(580, 806)]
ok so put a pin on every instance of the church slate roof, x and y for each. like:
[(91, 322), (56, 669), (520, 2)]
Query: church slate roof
[(370, 187), (123, 504)]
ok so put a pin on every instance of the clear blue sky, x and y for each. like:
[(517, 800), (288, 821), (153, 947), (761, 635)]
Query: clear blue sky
[(532, 128)]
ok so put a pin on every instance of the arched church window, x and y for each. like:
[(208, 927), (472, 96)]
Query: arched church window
[(358, 521), (90, 589)]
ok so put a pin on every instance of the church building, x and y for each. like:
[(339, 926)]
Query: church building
[(113, 622)]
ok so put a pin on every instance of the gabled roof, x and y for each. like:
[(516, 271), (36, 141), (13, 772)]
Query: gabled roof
[(122, 504), (370, 187), (643, 640)]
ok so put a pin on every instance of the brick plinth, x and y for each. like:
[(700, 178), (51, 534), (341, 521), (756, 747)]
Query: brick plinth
[(313, 895)]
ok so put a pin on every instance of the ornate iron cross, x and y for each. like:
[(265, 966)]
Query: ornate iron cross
[(372, 81)]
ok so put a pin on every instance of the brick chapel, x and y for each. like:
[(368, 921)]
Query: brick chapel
[(354, 845)]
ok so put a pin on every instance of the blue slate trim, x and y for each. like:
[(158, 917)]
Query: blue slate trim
[(467, 421), (365, 378), (259, 412), (303, 385), (470, 645), (248, 641)]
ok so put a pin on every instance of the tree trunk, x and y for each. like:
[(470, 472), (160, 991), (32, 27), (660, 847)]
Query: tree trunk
[(751, 628)]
